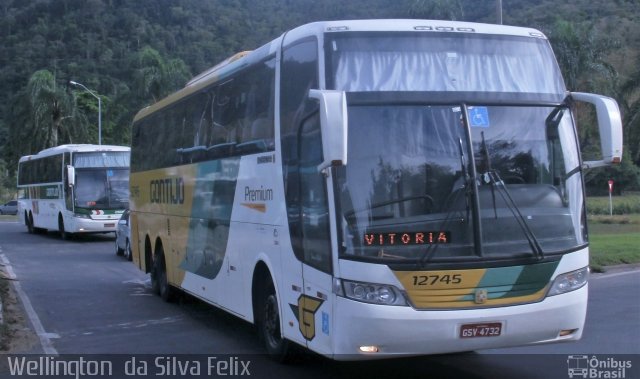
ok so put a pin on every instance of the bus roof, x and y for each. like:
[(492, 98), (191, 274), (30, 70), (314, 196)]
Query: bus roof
[(413, 25), (75, 148), (245, 58)]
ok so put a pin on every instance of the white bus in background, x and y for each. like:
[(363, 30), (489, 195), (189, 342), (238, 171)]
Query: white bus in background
[(74, 188), (375, 188)]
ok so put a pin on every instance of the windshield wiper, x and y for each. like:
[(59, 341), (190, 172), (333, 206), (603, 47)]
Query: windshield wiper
[(506, 196), (486, 177), (464, 187), (465, 175), (492, 177)]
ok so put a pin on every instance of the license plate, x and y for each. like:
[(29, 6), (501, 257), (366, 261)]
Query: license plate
[(109, 225), (490, 329)]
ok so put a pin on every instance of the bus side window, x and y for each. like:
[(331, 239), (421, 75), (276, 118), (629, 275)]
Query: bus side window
[(258, 88), (224, 112)]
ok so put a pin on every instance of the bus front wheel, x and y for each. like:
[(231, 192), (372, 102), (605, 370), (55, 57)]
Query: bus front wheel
[(269, 326), (63, 234)]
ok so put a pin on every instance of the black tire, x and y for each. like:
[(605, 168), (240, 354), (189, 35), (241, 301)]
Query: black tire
[(127, 251), (159, 281), (28, 220), (155, 283), (63, 234), (277, 347), (119, 251)]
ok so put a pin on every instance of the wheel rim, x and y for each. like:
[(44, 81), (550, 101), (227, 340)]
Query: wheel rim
[(272, 321)]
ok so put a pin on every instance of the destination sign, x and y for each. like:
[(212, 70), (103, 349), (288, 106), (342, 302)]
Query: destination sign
[(406, 238)]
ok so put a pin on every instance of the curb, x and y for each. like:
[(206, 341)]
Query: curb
[(7, 274), (620, 268)]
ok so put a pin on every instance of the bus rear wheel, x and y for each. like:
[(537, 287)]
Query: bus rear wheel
[(28, 221), (269, 325), (159, 281)]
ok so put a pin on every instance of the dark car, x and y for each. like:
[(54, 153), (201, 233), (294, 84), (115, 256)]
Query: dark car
[(10, 208), (123, 247)]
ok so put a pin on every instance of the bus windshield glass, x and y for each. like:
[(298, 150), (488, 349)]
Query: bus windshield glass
[(100, 188), (408, 192)]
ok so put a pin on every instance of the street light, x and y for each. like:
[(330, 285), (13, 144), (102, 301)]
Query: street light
[(99, 108)]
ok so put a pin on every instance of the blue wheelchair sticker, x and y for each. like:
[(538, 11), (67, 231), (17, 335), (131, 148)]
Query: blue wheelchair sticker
[(325, 323), (479, 117), (109, 173)]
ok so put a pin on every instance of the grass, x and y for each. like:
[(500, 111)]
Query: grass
[(614, 240)]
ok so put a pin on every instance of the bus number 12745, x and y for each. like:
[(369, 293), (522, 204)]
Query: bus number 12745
[(430, 280)]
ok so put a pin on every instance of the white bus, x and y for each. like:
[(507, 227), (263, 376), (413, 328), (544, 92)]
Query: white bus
[(374, 188), (74, 188)]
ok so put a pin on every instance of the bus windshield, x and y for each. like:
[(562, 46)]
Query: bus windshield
[(407, 191), (99, 188)]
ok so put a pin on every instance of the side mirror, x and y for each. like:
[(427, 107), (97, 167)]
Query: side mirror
[(71, 176), (609, 126), (333, 126)]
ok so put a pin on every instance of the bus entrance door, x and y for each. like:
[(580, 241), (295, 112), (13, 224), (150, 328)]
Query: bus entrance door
[(316, 310)]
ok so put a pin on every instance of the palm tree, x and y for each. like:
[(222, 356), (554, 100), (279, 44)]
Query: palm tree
[(582, 55), (156, 77), (51, 108)]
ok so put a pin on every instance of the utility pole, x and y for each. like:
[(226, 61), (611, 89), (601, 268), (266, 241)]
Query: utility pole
[(499, 11)]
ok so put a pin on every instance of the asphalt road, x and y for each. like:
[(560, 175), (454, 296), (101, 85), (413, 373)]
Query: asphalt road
[(83, 299)]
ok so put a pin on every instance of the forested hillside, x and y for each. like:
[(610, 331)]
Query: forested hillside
[(132, 52)]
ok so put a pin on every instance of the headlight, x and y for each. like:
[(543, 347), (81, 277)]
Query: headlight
[(78, 215), (570, 281), (372, 293)]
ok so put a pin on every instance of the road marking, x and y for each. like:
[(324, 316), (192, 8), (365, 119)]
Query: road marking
[(123, 326), (44, 337)]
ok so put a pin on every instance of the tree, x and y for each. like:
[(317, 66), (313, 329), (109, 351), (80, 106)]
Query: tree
[(630, 104), (437, 9), (156, 77), (625, 175), (51, 108), (582, 55)]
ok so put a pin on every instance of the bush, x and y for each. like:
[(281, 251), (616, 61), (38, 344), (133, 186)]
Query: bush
[(622, 205)]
